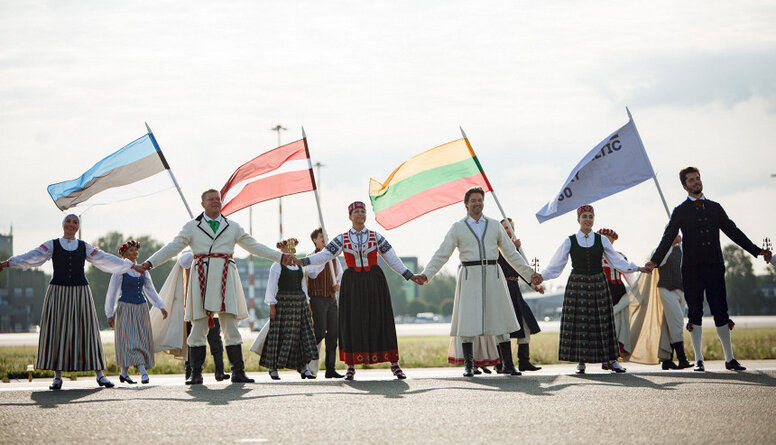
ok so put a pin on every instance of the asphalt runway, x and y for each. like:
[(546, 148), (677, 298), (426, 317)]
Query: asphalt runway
[(552, 406)]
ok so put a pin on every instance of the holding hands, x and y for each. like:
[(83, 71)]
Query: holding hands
[(536, 280), (767, 255), (4, 265), (420, 280)]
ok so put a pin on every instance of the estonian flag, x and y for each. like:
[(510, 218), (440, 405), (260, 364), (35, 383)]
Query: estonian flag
[(138, 169)]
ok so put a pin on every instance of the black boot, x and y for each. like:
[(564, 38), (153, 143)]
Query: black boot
[(468, 359), (500, 365), (234, 352), (188, 365), (506, 358), (197, 357), (681, 357), (523, 358), (218, 361)]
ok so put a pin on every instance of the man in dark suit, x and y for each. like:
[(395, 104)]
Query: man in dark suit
[(703, 268)]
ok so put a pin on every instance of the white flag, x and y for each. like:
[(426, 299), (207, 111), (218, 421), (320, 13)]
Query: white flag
[(617, 163)]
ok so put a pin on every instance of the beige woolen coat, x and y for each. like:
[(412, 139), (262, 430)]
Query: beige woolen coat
[(200, 237), (482, 303)]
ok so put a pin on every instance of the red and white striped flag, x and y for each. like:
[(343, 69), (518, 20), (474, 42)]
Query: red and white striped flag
[(283, 171)]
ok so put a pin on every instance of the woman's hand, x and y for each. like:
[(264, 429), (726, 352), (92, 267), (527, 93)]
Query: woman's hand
[(272, 312)]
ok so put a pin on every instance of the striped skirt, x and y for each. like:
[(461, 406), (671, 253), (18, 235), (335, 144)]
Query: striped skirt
[(69, 331), (290, 341), (133, 336), (587, 331)]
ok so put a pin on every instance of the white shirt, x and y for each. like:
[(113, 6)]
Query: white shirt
[(114, 291), (314, 270), (477, 226), (561, 257), (102, 260), (270, 297), (358, 238), (695, 199)]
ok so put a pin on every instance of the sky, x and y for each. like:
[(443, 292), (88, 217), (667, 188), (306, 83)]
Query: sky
[(535, 85)]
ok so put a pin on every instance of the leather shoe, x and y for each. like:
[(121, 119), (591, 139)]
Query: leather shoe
[(56, 384), (333, 375), (699, 366), (144, 379), (683, 364), (103, 381), (306, 374), (668, 364), (580, 368), (733, 365), (273, 373), (126, 379)]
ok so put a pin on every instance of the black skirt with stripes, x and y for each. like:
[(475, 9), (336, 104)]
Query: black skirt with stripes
[(587, 331)]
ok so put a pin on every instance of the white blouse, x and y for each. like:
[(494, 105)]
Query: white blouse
[(270, 297), (314, 270), (561, 257), (114, 291), (358, 238), (102, 260)]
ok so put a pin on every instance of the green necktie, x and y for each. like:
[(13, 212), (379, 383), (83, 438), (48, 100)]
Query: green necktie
[(213, 225)]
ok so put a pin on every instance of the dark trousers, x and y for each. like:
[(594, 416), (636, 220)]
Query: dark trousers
[(708, 278), (325, 325)]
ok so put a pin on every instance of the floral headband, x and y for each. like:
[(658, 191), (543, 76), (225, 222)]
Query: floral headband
[(609, 232), (127, 245), (290, 243), (585, 208)]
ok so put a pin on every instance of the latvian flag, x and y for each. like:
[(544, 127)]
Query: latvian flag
[(286, 170), (138, 169)]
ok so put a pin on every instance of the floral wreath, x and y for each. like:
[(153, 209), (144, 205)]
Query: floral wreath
[(127, 245)]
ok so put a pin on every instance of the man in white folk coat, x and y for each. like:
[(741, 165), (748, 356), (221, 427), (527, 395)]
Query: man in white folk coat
[(215, 285), (482, 303)]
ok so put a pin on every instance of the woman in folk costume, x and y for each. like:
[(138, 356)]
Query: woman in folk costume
[(69, 331), (587, 323), (614, 279), (484, 351), (367, 333), (290, 341), (127, 313)]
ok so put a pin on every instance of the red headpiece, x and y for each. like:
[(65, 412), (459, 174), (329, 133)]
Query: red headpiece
[(609, 232), (356, 205), (291, 242), (585, 208), (127, 245)]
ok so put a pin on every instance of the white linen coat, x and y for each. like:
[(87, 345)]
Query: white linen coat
[(482, 303), (200, 237)]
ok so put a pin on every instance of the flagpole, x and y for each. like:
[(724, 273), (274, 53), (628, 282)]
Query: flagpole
[(169, 170), (654, 175), (318, 204)]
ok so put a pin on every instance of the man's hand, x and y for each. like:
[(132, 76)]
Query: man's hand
[(140, 268), (164, 314), (646, 270), (539, 289), (335, 288), (536, 279), (517, 243), (272, 312), (420, 280), (650, 266), (4, 265), (110, 322)]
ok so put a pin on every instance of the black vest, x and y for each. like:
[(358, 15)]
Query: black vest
[(69, 265), (587, 260), (290, 280), (671, 271)]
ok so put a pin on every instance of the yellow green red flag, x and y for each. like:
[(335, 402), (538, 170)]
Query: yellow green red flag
[(431, 180)]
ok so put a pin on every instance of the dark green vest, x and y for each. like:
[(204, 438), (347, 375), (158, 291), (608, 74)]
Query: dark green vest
[(587, 260), (671, 271), (290, 280)]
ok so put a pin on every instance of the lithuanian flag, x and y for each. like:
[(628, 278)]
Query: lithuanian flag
[(431, 180)]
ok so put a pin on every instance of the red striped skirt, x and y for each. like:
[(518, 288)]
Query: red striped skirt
[(69, 331)]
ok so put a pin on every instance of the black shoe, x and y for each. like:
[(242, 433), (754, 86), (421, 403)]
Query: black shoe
[(398, 373), (306, 374), (733, 365), (668, 364), (234, 352), (188, 369), (126, 379), (350, 374), (56, 384), (681, 357), (468, 359), (506, 358), (476, 371), (523, 358), (220, 376), (273, 374), (144, 379), (683, 364), (197, 357), (699, 366), (333, 375), (103, 381), (486, 370), (580, 368)]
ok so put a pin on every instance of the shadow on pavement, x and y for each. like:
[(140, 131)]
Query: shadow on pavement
[(52, 399)]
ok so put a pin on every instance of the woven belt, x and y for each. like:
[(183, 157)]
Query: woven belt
[(479, 263), (203, 281), (513, 279)]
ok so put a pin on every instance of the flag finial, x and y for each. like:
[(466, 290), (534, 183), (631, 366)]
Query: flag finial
[(462, 132), (148, 128), (629, 114), (304, 135)]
